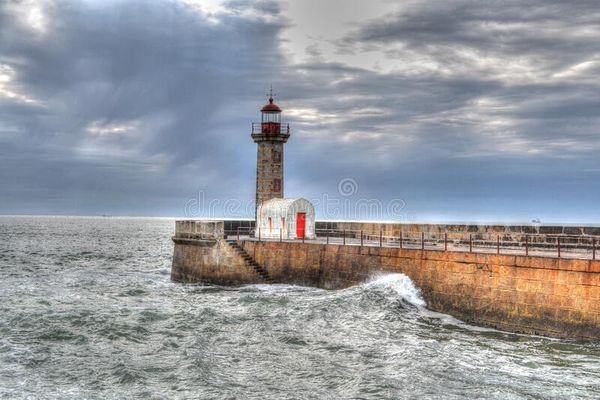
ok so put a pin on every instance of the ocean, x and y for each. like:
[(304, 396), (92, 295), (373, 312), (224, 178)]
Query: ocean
[(88, 311)]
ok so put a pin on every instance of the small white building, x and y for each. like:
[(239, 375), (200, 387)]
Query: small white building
[(286, 218)]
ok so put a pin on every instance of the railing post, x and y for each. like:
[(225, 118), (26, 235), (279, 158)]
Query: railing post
[(445, 241), (400, 239), (238, 233), (380, 238), (327, 233), (303, 236), (526, 245), (470, 242), (593, 248), (344, 237), (498, 244), (361, 238), (280, 235), (422, 240), (558, 245), (259, 233)]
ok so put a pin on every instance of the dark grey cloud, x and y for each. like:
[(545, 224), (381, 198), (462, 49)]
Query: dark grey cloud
[(510, 26), (141, 93), (494, 106), (486, 110)]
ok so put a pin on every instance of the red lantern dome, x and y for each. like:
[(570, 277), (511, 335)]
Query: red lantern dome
[(271, 107)]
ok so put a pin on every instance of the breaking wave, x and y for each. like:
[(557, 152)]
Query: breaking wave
[(398, 285)]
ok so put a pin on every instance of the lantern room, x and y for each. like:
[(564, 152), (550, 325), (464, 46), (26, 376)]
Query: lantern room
[(270, 118), (271, 112), (270, 122)]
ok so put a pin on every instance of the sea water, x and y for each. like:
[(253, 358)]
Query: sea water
[(87, 310)]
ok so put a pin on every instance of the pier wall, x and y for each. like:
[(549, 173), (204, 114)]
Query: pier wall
[(536, 295), (202, 255)]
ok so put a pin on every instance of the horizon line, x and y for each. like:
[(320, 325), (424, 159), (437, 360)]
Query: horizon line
[(417, 222)]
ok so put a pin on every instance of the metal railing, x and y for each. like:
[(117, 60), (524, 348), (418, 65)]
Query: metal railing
[(553, 246), (270, 128)]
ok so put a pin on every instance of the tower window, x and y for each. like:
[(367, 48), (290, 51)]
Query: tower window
[(276, 185), (276, 156)]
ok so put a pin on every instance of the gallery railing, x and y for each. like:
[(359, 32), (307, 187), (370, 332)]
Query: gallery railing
[(554, 246), (271, 128)]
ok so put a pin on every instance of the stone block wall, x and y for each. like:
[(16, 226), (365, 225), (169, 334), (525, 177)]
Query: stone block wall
[(572, 236), (269, 171), (201, 254), (199, 229), (553, 297)]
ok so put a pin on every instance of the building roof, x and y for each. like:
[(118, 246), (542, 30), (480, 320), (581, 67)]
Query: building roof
[(271, 107), (284, 204)]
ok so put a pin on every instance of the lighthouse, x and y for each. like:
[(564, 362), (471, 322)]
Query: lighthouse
[(270, 135), (276, 216)]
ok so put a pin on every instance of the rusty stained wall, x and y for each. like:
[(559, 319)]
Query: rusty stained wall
[(553, 297)]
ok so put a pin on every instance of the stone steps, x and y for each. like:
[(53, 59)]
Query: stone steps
[(250, 262)]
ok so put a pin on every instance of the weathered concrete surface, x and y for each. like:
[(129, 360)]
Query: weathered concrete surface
[(201, 254), (553, 297)]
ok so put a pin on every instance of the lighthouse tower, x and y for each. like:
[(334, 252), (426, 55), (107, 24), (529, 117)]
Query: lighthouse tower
[(270, 135)]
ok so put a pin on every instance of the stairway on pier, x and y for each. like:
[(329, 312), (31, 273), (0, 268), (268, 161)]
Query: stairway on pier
[(250, 261)]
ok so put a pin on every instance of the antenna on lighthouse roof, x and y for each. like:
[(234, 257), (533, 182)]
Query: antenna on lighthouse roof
[(271, 94)]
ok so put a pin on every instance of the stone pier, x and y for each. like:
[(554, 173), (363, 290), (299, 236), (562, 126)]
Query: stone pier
[(536, 295), (202, 254)]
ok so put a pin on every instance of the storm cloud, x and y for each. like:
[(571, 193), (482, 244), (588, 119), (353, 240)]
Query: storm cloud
[(464, 110)]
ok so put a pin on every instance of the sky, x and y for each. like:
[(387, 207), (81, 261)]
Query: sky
[(449, 110)]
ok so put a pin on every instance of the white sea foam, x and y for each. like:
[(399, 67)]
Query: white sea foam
[(278, 287), (398, 284)]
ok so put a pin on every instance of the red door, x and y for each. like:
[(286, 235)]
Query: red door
[(300, 224)]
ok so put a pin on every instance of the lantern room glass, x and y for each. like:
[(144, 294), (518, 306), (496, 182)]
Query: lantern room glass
[(271, 117)]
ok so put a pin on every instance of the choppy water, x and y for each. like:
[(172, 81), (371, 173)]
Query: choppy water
[(87, 310)]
